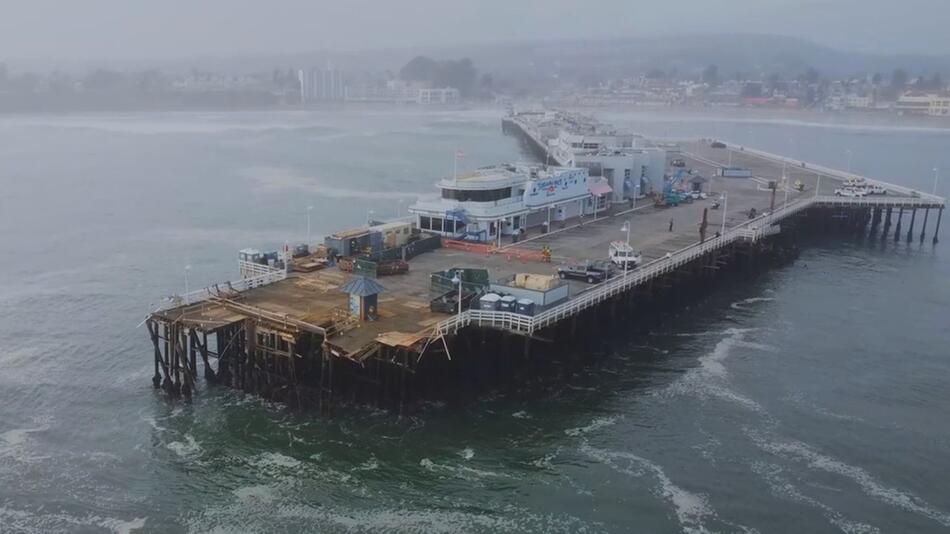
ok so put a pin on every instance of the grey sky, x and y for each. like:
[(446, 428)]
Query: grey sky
[(131, 29)]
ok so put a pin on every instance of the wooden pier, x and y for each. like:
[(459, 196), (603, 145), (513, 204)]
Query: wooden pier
[(291, 338)]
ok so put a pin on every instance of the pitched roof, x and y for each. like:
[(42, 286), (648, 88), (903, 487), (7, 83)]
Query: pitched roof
[(362, 287)]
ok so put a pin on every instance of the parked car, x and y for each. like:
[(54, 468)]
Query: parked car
[(718, 144), (678, 162), (850, 192), (592, 272), (697, 195), (875, 190)]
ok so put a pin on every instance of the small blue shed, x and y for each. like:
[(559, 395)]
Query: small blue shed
[(363, 296)]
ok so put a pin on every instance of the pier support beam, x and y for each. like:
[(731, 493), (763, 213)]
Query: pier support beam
[(937, 229), (923, 229), (153, 333), (910, 231), (897, 231)]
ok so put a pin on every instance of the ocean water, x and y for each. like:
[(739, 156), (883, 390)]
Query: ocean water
[(812, 398)]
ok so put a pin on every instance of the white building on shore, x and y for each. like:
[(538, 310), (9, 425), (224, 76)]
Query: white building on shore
[(497, 201)]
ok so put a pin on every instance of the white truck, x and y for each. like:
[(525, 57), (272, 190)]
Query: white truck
[(622, 255), (853, 192)]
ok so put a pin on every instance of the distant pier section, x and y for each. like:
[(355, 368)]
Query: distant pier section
[(604, 231)]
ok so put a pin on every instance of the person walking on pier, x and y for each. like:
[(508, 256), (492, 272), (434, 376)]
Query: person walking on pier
[(671, 224)]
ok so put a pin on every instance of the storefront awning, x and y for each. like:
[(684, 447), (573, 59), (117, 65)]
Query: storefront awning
[(600, 189)]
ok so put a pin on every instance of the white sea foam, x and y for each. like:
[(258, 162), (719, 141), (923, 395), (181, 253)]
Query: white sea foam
[(521, 415), (257, 493), (188, 448), (371, 464), (460, 471), (44, 521), (242, 517), (14, 443), (799, 398), (467, 453), (691, 509), (710, 379), (742, 304), (782, 488), (596, 424), (797, 450), (275, 461), (119, 526)]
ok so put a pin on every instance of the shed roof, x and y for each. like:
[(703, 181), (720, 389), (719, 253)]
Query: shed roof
[(362, 287)]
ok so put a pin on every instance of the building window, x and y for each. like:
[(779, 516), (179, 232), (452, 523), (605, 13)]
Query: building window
[(425, 223), (465, 195)]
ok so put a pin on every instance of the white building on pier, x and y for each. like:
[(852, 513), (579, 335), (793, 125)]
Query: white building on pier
[(630, 170), (502, 200)]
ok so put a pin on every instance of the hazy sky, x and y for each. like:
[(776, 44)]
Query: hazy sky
[(157, 29)]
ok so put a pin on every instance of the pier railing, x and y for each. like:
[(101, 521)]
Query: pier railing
[(217, 290), (889, 201), (606, 290), (835, 173), (752, 230)]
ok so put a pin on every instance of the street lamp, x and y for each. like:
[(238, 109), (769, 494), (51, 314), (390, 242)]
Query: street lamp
[(785, 184), (369, 217), (187, 268), (309, 209), (626, 262), (725, 207), (936, 177), (458, 281)]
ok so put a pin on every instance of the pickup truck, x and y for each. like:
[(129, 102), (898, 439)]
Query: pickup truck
[(592, 272)]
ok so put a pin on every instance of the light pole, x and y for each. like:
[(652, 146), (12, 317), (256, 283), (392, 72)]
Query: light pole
[(936, 177), (626, 262), (309, 209), (458, 280), (187, 268), (785, 184), (850, 154), (725, 208), (818, 185), (369, 217)]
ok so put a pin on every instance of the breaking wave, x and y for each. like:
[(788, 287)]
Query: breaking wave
[(710, 379), (742, 304), (784, 489), (799, 451), (596, 424), (691, 509)]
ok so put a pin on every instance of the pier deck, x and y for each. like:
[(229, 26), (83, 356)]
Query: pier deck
[(310, 304), (403, 307)]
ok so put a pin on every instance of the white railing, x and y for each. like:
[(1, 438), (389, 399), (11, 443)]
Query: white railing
[(835, 173), (752, 230), (201, 295), (928, 201), (249, 269)]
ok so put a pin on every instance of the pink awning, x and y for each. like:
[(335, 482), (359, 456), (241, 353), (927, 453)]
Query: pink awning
[(600, 189)]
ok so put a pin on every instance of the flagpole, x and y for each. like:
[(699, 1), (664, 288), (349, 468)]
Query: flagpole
[(455, 166)]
